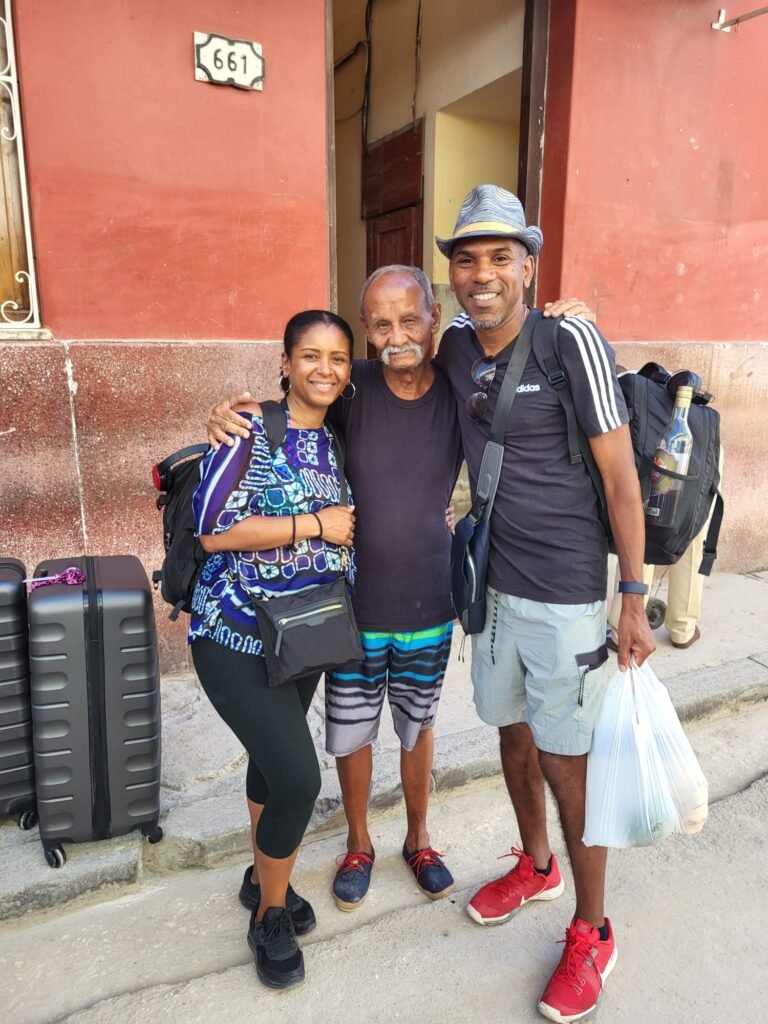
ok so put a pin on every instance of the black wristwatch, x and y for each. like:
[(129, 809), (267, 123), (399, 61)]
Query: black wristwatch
[(628, 587)]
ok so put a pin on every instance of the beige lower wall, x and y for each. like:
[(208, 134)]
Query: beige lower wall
[(82, 423), (737, 374)]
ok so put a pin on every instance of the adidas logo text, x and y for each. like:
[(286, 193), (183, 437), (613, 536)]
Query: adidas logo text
[(528, 387)]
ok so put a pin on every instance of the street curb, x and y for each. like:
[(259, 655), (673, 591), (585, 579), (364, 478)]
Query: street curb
[(211, 829)]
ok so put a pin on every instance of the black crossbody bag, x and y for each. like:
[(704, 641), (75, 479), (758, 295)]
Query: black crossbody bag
[(312, 630), (471, 538)]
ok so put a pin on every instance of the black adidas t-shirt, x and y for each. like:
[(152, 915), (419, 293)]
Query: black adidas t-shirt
[(547, 542), (411, 449)]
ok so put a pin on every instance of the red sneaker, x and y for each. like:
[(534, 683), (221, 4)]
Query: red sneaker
[(576, 987), (497, 901)]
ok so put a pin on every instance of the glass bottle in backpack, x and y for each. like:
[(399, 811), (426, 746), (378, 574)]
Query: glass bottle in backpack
[(673, 453)]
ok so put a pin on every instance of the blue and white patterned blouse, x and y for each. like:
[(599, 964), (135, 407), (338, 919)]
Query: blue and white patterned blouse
[(247, 480)]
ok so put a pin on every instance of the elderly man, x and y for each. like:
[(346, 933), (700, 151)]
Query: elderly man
[(402, 458), (538, 669)]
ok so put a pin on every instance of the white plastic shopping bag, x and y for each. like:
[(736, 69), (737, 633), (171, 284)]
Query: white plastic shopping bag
[(643, 779)]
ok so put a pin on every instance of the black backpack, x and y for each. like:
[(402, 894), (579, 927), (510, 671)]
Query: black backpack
[(650, 405), (177, 477)]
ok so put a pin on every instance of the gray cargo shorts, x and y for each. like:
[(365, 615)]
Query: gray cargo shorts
[(544, 664)]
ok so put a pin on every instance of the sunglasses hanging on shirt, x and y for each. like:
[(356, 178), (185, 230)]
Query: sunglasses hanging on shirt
[(483, 372)]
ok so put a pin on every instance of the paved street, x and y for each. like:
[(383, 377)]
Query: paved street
[(128, 935)]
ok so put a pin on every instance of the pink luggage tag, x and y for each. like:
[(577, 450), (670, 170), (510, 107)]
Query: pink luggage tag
[(72, 577)]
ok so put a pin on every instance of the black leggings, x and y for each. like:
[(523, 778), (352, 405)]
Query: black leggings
[(271, 723)]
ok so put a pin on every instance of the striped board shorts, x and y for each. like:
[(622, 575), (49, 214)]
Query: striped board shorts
[(408, 667)]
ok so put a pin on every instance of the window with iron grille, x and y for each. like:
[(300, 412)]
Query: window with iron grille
[(18, 290)]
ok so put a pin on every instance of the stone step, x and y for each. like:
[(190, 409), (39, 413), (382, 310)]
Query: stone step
[(176, 929), (205, 821)]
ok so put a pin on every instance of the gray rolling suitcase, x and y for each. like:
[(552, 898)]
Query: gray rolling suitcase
[(95, 703), (17, 767)]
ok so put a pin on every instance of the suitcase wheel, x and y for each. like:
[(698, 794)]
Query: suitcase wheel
[(154, 835), (56, 857), (656, 609), (28, 819)]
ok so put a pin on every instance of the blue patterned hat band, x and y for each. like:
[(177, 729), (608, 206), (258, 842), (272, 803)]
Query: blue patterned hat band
[(491, 211)]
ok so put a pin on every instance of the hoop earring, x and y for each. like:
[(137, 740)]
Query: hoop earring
[(349, 384), (285, 383)]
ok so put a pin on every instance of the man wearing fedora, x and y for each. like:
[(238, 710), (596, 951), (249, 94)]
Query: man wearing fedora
[(539, 667)]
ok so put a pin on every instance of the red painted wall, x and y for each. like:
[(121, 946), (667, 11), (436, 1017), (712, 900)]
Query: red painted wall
[(164, 207), (655, 164)]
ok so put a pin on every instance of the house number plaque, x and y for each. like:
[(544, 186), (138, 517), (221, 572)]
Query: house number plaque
[(225, 61)]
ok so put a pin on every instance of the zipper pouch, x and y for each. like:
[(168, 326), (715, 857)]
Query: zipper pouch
[(311, 631)]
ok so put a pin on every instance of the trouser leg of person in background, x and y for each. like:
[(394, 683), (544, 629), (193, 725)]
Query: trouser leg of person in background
[(283, 779), (686, 586)]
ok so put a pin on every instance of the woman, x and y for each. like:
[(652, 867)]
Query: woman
[(273, 523)]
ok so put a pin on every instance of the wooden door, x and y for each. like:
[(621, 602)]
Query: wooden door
[(392, 199), (394, 238)]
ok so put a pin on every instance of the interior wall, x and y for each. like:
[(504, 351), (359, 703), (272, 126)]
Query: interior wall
[(460, 53), (468, 151)]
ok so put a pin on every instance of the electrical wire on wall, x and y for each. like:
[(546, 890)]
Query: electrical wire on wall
[(367, 45), (367, 80), (340, 63), (417, 60)]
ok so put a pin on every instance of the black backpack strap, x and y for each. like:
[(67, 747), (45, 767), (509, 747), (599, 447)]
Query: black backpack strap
[(275, 416), (710, 542), (548, 357), (180, 455), (341, 454), (493, 456)]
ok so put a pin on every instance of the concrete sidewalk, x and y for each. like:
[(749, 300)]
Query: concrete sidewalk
[(688, 914), (203, 766)]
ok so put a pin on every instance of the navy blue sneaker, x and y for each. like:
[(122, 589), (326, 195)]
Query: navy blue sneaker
[(432, 876), (350, 885), (302, 914)]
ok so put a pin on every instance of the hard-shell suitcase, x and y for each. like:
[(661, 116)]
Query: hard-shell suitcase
[(95, 703), (17, 767)]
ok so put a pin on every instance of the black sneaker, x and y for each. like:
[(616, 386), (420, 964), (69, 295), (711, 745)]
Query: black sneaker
[(279, 961), (301, 911)]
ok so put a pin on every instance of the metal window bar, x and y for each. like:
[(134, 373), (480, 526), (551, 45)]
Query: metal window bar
[(18, 285)]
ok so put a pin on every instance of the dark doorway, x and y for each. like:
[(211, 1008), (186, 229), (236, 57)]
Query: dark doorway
[(392, 199)]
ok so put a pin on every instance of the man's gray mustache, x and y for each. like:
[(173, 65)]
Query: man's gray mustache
[(398, 350)]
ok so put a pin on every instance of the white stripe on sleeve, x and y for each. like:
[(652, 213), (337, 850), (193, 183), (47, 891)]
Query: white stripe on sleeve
[(598, 373), (600, 348)]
